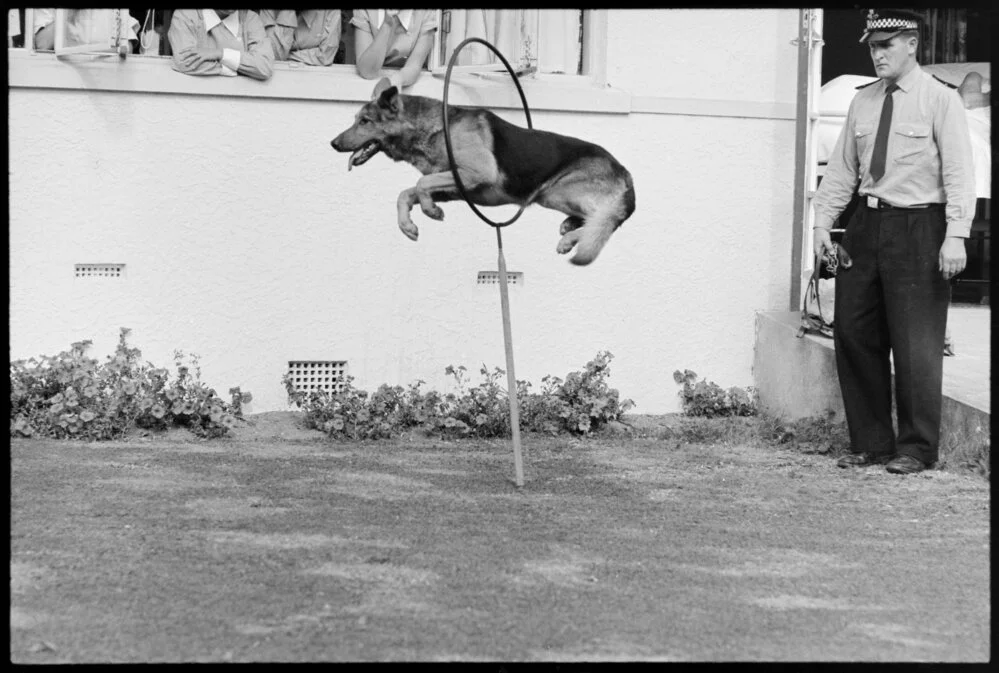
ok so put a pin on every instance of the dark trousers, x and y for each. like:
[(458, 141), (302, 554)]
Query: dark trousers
[(893, 299)]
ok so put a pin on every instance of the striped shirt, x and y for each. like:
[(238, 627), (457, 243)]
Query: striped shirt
[(929, 156)]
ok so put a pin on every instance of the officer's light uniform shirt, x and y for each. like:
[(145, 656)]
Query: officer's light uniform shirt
[(929, 156)]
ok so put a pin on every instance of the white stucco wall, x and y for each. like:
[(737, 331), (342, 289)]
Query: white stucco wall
[(247, 241), (735, 54)]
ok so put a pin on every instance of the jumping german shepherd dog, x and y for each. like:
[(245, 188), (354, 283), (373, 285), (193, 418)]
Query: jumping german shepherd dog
[(499, 163)]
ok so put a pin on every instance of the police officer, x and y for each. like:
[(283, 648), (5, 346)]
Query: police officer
[(905, 149)]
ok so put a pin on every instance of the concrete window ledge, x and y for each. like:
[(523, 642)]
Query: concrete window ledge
[(293, 81), (153, 74)]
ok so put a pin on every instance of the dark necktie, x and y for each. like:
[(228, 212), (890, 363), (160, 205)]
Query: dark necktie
[(881, 141)]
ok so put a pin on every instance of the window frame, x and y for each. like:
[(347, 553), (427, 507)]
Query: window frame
[(91, 49), (593, 49), (29, 29), (147, 73)]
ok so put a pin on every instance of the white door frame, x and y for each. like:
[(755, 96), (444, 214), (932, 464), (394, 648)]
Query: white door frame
[(806, 169)]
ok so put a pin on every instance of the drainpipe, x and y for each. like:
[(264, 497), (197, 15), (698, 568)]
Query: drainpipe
[(800, 153)]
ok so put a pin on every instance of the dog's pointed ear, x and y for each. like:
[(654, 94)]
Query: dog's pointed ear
[(383, 84), (387, 96)]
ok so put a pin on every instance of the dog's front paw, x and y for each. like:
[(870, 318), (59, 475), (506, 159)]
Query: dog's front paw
[(565, 244), (432, 211), (409, 229)]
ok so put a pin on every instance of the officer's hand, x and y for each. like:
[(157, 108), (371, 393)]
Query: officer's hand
[(953, 257), (822, 242)]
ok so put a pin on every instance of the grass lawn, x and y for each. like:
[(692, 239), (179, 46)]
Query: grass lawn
[(279, 545)]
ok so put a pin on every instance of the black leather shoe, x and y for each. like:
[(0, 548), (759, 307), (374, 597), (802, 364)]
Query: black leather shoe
[(905, 465), (862, 460)]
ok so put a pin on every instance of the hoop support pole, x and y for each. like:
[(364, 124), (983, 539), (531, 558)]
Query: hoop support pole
[(511, 377)]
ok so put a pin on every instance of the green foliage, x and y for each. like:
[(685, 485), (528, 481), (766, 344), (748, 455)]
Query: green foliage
[(579, 405), (351, 413), (74, 396), (704, 398), (479, 411)]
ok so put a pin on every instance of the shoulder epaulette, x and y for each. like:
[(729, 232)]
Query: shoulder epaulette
[(868, 84), (946, 84)]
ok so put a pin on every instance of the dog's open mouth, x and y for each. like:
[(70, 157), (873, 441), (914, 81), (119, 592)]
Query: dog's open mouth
[(369, 150)]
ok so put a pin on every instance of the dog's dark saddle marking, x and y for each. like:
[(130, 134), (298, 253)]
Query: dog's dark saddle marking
[(528, 159)]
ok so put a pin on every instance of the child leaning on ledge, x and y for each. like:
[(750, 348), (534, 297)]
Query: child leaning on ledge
[(310, 36), (397, 39), (220, 42)]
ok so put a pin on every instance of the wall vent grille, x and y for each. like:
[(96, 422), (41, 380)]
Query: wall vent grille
[(316, 375), (100, 270), (492, 278)]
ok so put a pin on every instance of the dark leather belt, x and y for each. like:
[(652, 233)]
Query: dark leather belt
[(874, 203)]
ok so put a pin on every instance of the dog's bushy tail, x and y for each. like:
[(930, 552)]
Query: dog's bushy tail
[(601, 224)]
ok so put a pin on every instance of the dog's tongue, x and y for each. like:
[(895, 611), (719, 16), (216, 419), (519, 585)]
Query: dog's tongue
[(352, 158), (363, 154)]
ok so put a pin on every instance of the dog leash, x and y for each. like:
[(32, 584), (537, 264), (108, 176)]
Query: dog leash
[(833, 262), (501, 262)]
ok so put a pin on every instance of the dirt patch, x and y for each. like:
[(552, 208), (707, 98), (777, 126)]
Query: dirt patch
[(441, 472), (383, 574), (149, 478), (665, 494), (607, 649), (255, 629), (897, 634), (381, 486), (230, 509), (272, 426), (25, 576), (387, 590), (564, 568), (21, 619), (775, 563), (797, 602), (286, 427), (298, 541)]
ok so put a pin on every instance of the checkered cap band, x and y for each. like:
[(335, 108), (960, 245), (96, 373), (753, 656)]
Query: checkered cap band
[(891, 24)]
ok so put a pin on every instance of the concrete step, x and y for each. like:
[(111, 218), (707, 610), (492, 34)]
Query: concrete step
[(796, 378)]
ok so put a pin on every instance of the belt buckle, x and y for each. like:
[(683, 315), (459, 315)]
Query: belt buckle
[(872, 202)]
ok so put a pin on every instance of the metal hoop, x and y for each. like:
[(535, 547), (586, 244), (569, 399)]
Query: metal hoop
[(447, 129)]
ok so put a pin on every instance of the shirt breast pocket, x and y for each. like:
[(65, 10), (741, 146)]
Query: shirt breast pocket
[(864, 135), (911, 141)]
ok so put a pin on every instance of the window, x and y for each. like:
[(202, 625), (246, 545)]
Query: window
[(542, 41), (566, 48), (15, 28), (80, 31), (547, 41)]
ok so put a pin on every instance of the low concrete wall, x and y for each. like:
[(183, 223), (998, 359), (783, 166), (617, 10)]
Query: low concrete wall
[(796, 378)]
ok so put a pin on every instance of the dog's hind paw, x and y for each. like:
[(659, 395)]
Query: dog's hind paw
[(568, 241), (410, 230), (433, 212)]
